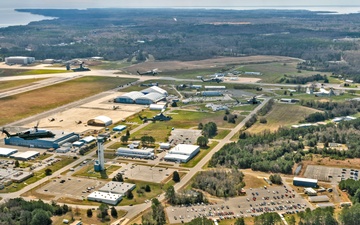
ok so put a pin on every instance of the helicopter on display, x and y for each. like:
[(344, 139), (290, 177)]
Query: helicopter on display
[(158, 117), (216, 79), (81, 67), (33, 133), (149, 72)]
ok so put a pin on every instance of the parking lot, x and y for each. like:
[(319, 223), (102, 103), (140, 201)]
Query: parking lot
[(145, 173), (184, 136), (257, 201), (330, 174), (70, 187)]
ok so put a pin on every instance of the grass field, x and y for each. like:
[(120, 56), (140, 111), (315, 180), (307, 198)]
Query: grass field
[(30, 103), (182, 119), (273, 72), (200, 156), (9, 85), (88, 171), (282, 115), (39, 72)]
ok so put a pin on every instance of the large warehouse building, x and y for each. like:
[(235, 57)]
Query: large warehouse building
[(155, 89), (305, 182), (6, 152), (147, 96), (149, 99), (54, 142), (129, 97), (22, 60), (182, 153), (101, 121), (136, 153), (111, 193)]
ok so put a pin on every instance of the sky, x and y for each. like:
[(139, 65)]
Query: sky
[(168, 3)]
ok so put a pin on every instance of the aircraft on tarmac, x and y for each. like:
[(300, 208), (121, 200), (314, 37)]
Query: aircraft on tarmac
[(216, 79), (33, 133), (149, 72)]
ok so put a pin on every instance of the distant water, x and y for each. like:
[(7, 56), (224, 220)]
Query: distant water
[(10, 17)]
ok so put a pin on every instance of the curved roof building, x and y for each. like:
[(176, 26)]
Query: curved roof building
[(100, 121), (129, 97)]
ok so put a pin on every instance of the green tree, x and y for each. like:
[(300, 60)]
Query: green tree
[(202, 141), (356, 198), (292, 220), (89, 213), (170, 195), (158, 213), (48, 172), (113, 212), (25, 218), (129, 194), (103, 211), (200, 126), (127, 133), (176, 177), (41, 217), (147, 188), (124, 139), (17, 164), (240, 221)]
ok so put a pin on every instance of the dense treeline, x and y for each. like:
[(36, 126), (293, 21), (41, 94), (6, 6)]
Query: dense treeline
[(184, 197), (268, 218), (331, 109), (19, 211), (318, 216), (126, 33), (277, 152), (209, 130), (352, 187), (266, 108), (220, 183), (303, 79)]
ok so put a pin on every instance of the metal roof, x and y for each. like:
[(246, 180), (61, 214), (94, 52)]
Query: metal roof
[(153, 96), (155, 89), (305, 179), (133, 95)]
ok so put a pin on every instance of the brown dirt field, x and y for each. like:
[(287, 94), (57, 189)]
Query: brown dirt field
[(166, 66), (253, 182)]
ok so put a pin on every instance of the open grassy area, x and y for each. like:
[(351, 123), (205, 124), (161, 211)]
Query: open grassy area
[(182, 119), (221, 134), (200, 156), (30, 103), (88, 171), (9, 85), (156, 189), (111, 65), (80, 215), (282, 115), (39, 72), (273, 72)]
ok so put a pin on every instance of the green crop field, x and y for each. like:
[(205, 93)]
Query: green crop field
[(282, 115), (273, 72), (33, 102)]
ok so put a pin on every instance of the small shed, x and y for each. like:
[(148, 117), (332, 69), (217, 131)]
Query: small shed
[(165, 146), (119, 128)]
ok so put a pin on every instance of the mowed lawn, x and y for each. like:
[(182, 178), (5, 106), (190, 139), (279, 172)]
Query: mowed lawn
[(273, 72), (23, 105), (9, 85), (282, 115), (183, 119)]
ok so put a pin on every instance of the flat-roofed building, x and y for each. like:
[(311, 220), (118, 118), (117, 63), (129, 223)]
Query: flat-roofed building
[(305, 182), (147, 153), (22, 60), (118, 187), (182, 153), (105, 197), (325, 205), (320, 198), (6, 152), (25, 155), (310, 191)]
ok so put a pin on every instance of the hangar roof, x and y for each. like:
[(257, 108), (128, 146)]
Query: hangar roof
[(104, 119), (155, 89), (133, 95), (153, 96), (184, 149)]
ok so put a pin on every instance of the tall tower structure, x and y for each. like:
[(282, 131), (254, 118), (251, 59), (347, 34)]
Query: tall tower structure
[(100, 163)]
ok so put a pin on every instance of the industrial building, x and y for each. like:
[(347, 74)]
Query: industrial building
[(22, 60), (14, 175), (215, 87), (159, 107), (310, 191), (155, 89), (105, 197), (25, 155), (63, 149), (51, 142), (321, 198), (102, 121), (111, 193), (147, 153), (325, 205), (6, 152), (129, 97), (118, 187), (211, 93), (150, 98), (88, 139), (182, 153), (119, 128), (165, 146), (305, 182)]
